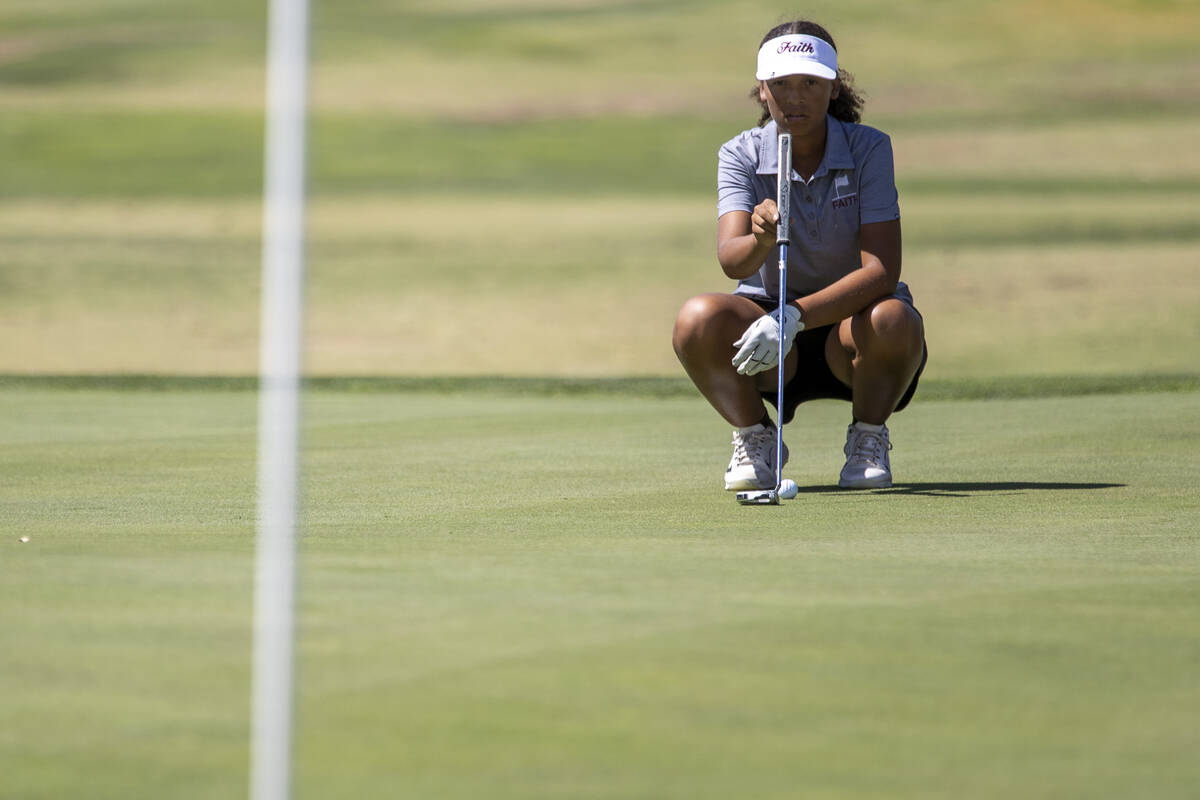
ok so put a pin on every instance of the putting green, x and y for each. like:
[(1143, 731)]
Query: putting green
[(518, 595)]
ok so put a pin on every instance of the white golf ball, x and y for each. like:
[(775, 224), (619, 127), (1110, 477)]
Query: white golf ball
[(788, 489)]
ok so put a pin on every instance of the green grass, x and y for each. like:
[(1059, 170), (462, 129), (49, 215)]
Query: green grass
[(1037, 196), (520, 578), (527, 595), (136, 155), (997, 388), (206, 154), (194, 154), (1009, 284)]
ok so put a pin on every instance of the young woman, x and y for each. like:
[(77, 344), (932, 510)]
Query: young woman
[(851, 329)]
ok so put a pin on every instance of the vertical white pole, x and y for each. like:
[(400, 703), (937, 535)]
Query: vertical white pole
[(279, 399)]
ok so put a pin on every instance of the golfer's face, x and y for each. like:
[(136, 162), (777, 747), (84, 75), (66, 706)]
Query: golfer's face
[(798, 103)]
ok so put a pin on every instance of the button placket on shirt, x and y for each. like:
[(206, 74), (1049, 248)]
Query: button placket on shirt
[(810, 214)]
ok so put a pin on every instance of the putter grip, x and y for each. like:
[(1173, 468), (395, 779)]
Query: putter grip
[(783, 189)]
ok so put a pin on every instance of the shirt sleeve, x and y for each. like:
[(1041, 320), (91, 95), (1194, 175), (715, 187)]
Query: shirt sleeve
[(877, 196), (735, 178)]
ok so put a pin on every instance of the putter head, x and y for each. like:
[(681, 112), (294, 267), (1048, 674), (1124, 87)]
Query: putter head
[(759, 497)]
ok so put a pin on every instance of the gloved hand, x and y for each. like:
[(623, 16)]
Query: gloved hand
[(760, 347)]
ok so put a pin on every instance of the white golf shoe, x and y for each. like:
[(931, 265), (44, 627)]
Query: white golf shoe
[(753, 462), (868, 465)]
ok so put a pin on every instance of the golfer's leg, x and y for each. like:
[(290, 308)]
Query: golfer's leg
[(877, 352), (705, 330)]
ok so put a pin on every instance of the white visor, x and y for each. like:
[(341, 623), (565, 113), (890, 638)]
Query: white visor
[(797, 54)]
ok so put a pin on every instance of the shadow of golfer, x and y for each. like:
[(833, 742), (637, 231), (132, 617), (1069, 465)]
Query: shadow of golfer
[(966, 489)]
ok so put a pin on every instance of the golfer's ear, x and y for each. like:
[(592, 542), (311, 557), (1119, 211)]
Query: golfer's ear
[(762, 91), (837, 88)]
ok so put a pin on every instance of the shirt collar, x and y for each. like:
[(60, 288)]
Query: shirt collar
[(837, 149)]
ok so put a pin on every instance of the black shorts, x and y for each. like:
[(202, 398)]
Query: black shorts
[(814, 380)]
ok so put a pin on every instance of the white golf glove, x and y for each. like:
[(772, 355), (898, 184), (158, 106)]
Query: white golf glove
[(759, 345)]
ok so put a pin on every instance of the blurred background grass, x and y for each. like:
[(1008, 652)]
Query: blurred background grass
[(545, 171)]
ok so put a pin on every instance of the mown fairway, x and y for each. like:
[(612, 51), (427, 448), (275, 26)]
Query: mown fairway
[(544, 166), (535, 588)]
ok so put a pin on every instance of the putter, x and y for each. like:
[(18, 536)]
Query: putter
[(783, 199)]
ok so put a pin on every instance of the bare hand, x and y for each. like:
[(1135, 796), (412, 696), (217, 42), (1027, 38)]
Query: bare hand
[(764, 221)]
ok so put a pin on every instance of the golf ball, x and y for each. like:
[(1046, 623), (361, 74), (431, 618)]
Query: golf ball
[(788, 489)]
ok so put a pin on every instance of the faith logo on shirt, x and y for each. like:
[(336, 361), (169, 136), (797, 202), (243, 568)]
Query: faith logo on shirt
[(844, 197)]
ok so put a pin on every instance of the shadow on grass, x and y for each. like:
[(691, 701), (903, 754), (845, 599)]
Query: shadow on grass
[(967, 489)]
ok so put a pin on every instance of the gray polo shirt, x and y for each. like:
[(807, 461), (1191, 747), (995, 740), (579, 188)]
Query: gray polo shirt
[(854, 184)]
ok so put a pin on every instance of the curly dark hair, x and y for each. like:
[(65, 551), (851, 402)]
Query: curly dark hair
[(847, 106)]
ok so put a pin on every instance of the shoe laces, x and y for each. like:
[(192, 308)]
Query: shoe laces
[(748, 447), (866, 447)]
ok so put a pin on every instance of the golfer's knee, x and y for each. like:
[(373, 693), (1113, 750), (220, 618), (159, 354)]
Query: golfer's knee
[(891, 330), (697, 324)]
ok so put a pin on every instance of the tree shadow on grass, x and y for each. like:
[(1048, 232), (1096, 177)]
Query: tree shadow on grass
[(966, 489)]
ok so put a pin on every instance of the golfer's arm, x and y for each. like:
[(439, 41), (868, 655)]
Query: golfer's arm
[(879, 243), (739, 251)]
